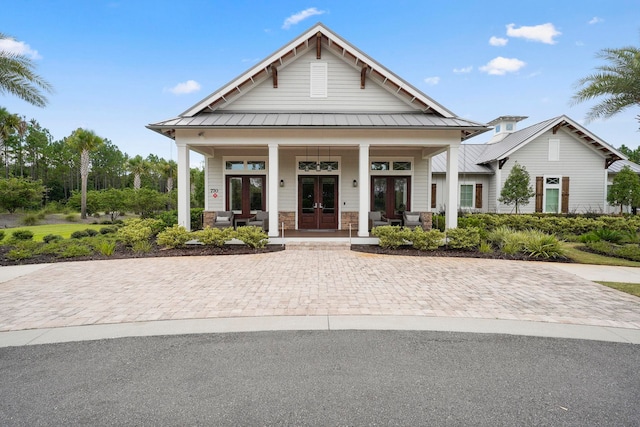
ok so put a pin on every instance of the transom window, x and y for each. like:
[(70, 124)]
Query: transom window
[(391, 165), (328, 166), (249, 165)]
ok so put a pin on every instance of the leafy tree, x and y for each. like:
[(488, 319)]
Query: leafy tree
[(197, 187), (18, 78), (618, 82), (113, 201), (517, 189), (84, 141), (20, 193), (146, 201), (633, 155), (625, 189)]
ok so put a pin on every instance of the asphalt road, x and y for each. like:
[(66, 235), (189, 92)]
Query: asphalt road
[(322, 378)]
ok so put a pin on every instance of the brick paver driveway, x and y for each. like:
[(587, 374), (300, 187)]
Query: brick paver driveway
[(306, 282)]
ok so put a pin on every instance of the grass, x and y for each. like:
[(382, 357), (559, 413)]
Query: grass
[(64, 230), (630, 288), (582, 257)]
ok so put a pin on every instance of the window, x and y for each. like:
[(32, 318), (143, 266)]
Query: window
[(552, 194), (497, 128), (401, 166), (234, 165), (390, 195), (246, 194), (256, 165), (554, 150), (318, 80), (466, 196), (509, 126), (379, 166), (395, 166), (250, 165)]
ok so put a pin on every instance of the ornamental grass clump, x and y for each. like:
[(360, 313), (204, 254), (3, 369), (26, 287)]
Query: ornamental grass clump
[(254, 237), (391, 236), (214, 236), (541, 245)]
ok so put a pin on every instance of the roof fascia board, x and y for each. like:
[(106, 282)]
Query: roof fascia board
[(301, 39)]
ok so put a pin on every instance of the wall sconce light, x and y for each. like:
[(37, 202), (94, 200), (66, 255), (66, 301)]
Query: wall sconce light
[(355, 183), (282, 183)]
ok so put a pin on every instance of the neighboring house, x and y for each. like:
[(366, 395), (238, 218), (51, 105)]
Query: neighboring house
[(613, 171), (318, 134), (569, 168)]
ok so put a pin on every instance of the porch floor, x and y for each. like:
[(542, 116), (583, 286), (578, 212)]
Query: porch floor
[(322, 236)]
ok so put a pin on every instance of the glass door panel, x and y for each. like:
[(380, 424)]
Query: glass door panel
[(235, 194), (379, 195), (401, 195)]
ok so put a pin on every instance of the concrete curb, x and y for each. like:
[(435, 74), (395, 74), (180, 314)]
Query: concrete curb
[(317, 323)]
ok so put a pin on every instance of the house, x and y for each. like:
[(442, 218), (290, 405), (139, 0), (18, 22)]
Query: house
[(568, 165), (318, 134)]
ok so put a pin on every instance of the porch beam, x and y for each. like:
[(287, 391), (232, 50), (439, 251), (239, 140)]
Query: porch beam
[(363, 193), (451, 219), (184, 186), (274, 181)]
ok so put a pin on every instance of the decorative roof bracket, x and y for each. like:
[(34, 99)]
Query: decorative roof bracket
[(501, 162), (274, 75), (318, 45)]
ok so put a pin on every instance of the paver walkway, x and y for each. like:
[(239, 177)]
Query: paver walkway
[(306, 283)]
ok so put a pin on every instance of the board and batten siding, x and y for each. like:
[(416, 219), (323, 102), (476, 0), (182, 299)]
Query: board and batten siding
[(582, 164), (343, 91)]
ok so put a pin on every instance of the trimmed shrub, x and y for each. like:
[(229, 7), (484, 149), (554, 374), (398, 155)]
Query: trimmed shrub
[(138, 230), (173, 237), (391, 236), (22, 235), (91, 232), (79, 234), (426, 240), (108, 230), (254, 237), (463, 238), (51, 238), (75, 249), (1, 235), (631, 252), (214, 236)]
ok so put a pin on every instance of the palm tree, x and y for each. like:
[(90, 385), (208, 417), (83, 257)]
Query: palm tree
[(137, 166), (17, 77), (168, 169), (618, 81), (84, 141), (9, 124)]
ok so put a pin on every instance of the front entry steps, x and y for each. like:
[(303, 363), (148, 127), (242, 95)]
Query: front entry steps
[(317, 246)]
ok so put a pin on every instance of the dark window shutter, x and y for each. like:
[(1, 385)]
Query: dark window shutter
[(478, 196), (433, 195), (539, 190), (565, 194)]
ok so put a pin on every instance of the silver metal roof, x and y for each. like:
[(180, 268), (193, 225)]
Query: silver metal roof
[(618, 165), (467, 160)]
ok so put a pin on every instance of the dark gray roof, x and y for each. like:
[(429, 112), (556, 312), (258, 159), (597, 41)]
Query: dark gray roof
[(467, 160), (366, 120)]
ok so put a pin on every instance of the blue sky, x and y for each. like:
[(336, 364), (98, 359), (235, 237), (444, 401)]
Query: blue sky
[(117, 66)]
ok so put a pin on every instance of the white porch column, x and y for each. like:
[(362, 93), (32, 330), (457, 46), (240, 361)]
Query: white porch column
[(274, 185), (429, 182), (451, 220), (184, 186), (363, 194), (498, 178)]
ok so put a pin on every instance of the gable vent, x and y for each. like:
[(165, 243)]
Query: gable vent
[(318, 80)]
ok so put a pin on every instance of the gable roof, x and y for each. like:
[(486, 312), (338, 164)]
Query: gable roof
[(423, 112), (617, 166), (467, 160), (519, 139)]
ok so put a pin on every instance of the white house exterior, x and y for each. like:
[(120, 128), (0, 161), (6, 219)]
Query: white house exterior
[(318, 134), (568, 165)]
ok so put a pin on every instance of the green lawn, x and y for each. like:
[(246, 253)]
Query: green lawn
[(583, 257), (630, 288), (64, 230)]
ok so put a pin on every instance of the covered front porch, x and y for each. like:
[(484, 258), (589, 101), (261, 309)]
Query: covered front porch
[(317, 187)]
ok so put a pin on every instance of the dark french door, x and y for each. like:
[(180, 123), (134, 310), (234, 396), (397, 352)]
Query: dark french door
[(317, 202), (246, 194), (391, 195)]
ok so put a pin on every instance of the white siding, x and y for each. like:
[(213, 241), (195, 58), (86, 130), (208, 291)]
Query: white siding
[(215, 182), (583, 166), (441, 186), (343, 91)]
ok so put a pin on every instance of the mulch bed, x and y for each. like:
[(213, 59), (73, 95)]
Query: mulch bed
[(445, 252), (125, 253)]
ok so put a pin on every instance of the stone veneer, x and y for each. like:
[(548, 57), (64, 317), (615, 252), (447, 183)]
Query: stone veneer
[(349, 218), (208, 218), (289, 219), (427, 220)]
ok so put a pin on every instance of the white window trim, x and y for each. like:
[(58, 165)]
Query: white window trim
[(245, 170), (551, 186), (473, 194), (391, 171)]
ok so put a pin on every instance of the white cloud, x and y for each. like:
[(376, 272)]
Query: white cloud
[(301, 16), (18, 48), (595, 20), (500, 66), (463, 70), (579, 43), (543, 33), (497, 41), (189, 86), (432, 80)]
